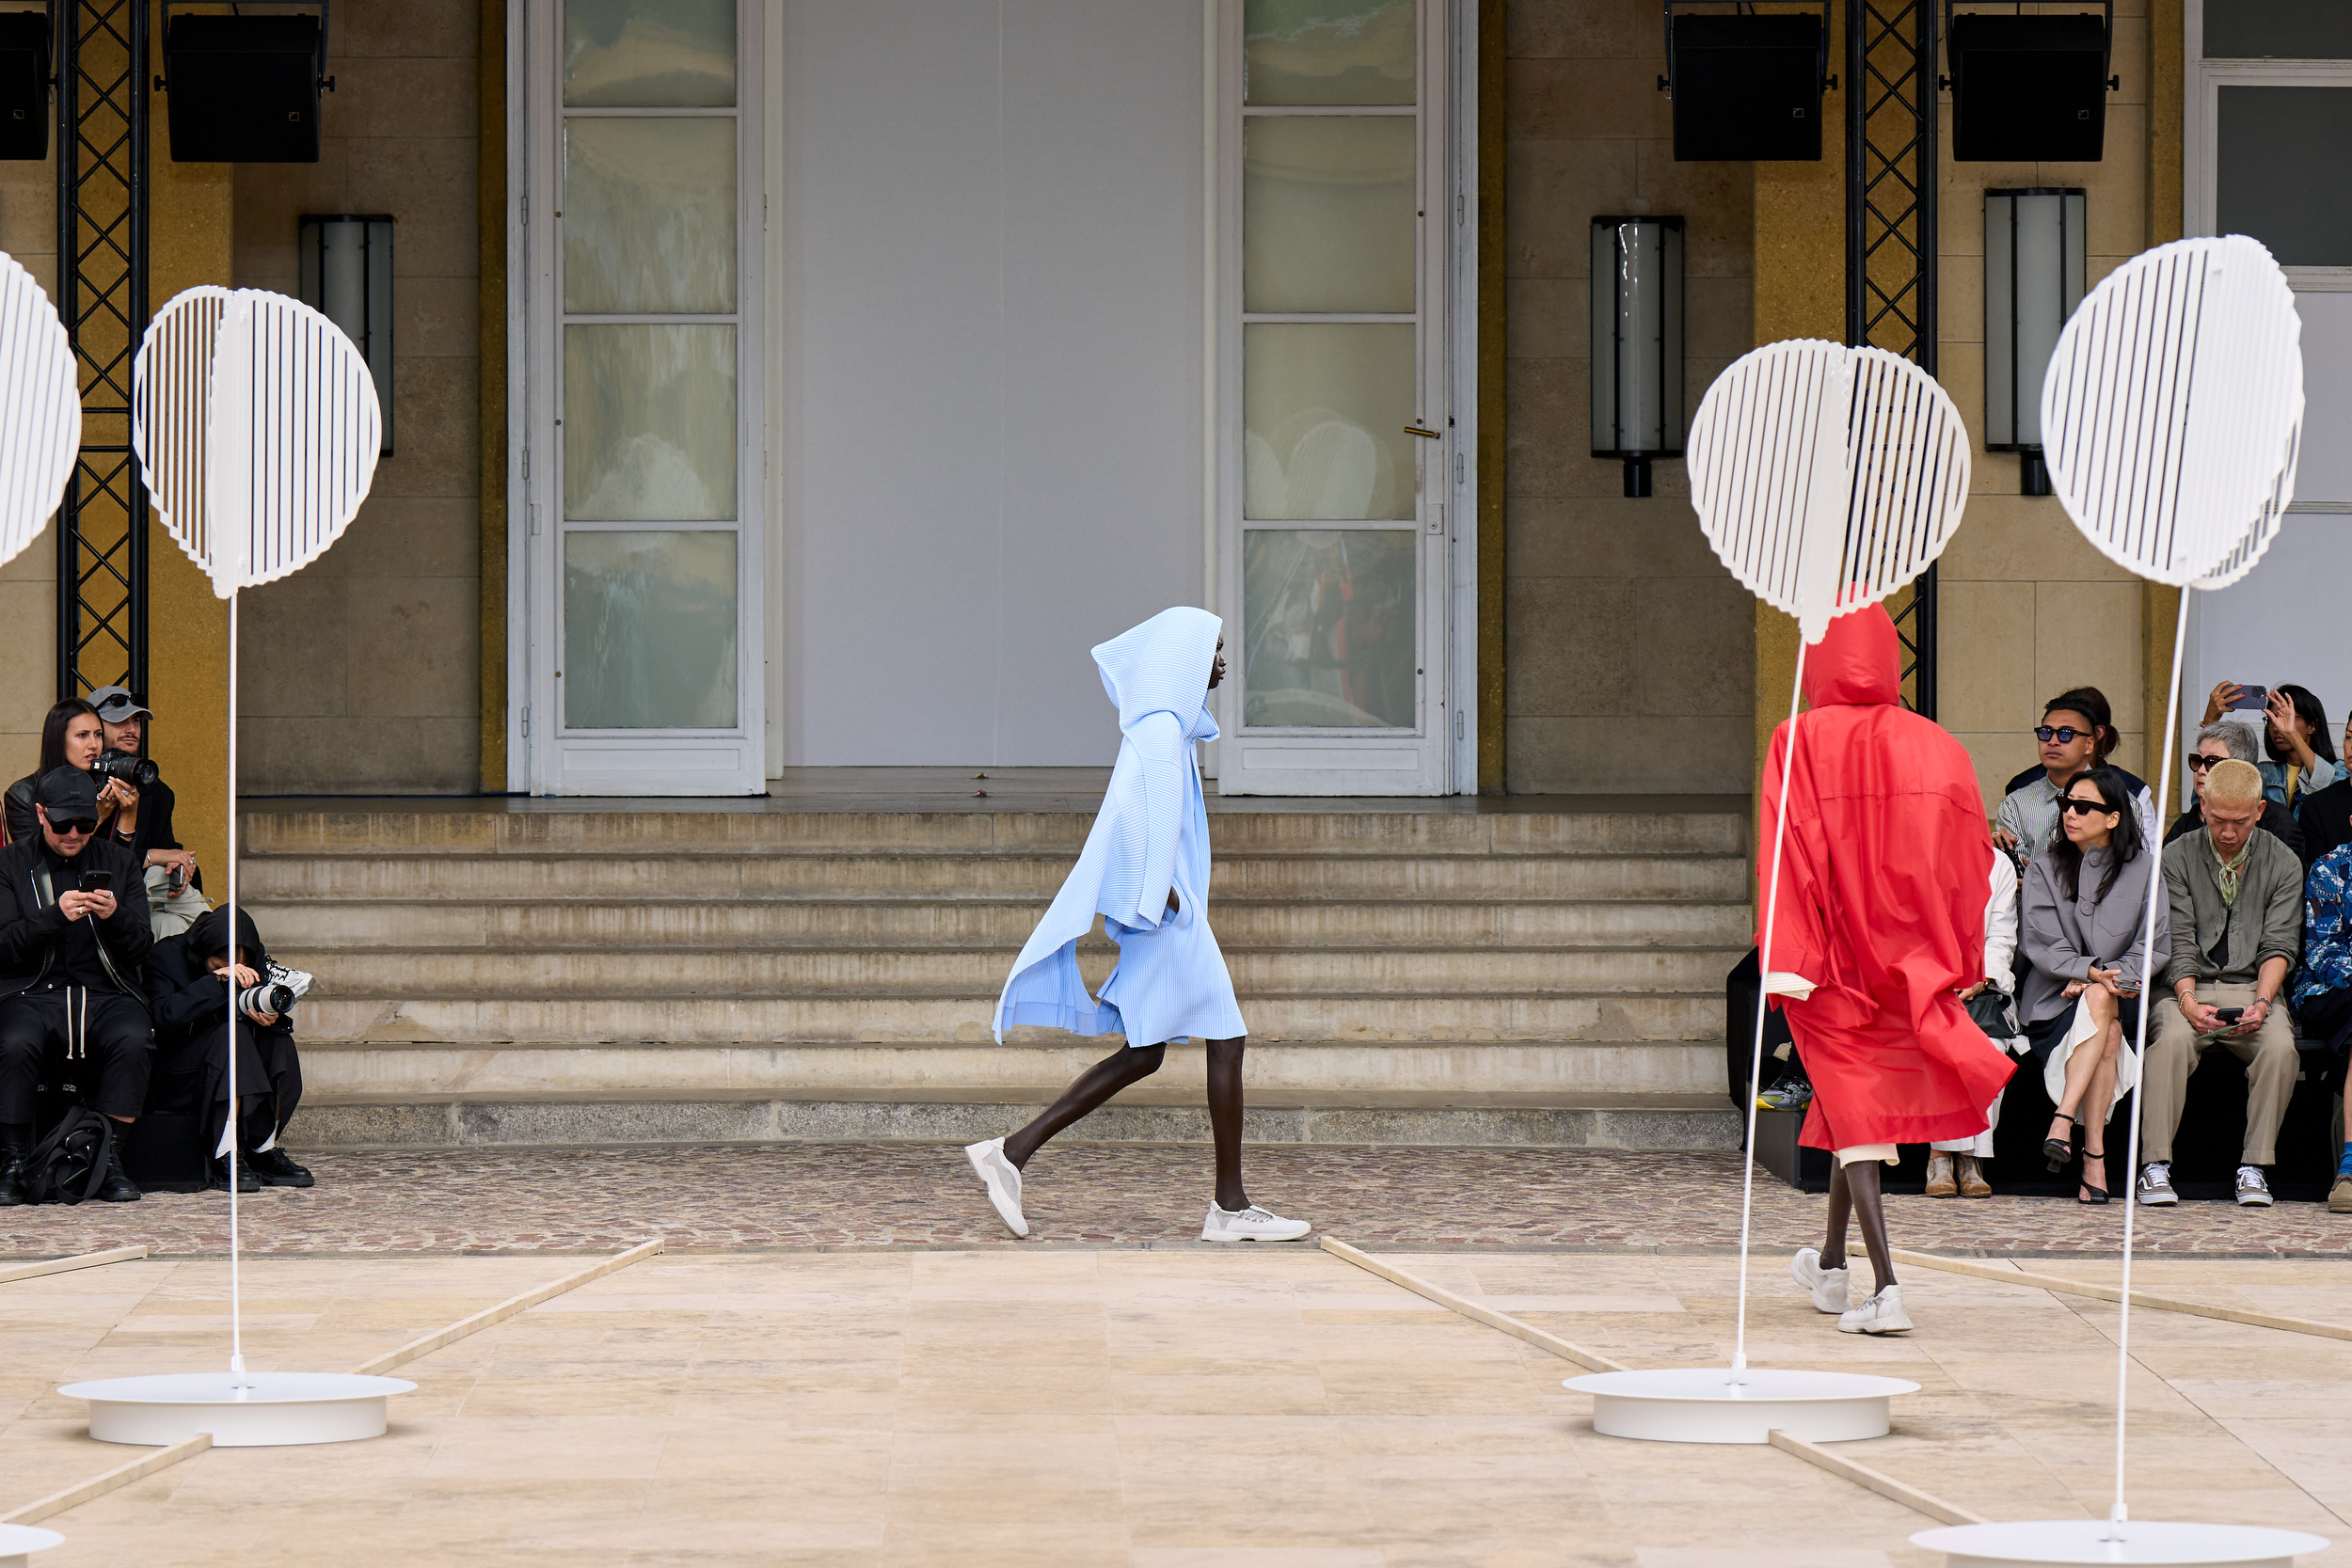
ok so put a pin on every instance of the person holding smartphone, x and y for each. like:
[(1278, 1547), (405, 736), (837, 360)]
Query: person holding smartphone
[(2301, 758), (2081, 933), (73, 975)]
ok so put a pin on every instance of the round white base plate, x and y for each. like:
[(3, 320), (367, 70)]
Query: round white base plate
[(248, 1410), (1701, 1404), (2060, 1543), (17, 1540)]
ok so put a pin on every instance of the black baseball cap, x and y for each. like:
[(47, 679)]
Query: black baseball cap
[(115, 704), (69, 795)]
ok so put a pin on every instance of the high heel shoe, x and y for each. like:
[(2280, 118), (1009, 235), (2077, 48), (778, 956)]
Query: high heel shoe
[(2092, 1160), (2060, 1152)]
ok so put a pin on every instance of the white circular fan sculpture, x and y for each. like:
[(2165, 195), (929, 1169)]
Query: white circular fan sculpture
[(256, 426), (2171, 421), (1827, 478), (41, 410)]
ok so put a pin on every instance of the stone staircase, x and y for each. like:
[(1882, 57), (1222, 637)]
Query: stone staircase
[(541, 973)]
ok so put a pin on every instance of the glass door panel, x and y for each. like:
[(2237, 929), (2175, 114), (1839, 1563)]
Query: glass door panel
[(650, 215), (1330, 52), (649, 414), (649, 629), (1327, 622), (1324, 411), (1327, 218)]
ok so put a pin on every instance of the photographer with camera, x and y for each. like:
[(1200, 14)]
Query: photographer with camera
[(73, 735), (72, 957), (189, 985), (143, 823)]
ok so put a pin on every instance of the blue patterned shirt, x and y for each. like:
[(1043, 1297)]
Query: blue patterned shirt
[(2326, 927)]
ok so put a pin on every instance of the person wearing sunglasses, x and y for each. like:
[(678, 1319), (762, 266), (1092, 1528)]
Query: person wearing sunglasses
[(2219, 742), (2077, 731), (74, 947), (2081, 934)]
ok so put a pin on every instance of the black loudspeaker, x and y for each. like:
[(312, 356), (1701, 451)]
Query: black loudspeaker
[(1747, 86), (244, 89), (2028, 88), (24, 84)]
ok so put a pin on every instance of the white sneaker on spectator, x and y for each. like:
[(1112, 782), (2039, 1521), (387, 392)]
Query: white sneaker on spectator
[(2252, 1191), (1832, 1288), (1881, 1314), (1252, 1223), (1002, 1178), (2156, 1185)]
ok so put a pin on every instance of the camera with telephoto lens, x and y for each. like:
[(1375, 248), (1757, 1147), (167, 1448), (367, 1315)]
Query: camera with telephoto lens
[(135, 771), (268, 997)]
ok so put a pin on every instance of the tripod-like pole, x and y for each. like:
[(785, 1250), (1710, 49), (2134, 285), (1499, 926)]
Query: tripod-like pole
[(228, 1130)]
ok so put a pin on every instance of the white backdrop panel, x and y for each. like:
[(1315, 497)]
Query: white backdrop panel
[(989, 446), (2283, 622), (2325, 473)]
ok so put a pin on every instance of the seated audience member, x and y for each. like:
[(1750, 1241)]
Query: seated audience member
[(2301, 758), (72, 975), (190, 997), (2217, 742), (143, 824), (1956, 1166), (2081, 930), (2077, 731), (2236, 916), (2323, 815), (73, 735), (2323, 986)]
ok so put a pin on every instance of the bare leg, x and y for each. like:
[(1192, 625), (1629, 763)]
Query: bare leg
[(2085, 1064), (2098, 1102), (1087, 1093), (1225, 1121), (1862, 1179), (1840, 1205)]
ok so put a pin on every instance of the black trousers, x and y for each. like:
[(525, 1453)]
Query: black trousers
[(192, 1077), (2329, 1017), (97, 1040)]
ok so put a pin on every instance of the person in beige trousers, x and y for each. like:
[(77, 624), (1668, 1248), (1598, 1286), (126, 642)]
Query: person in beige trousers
[(2236, 905)]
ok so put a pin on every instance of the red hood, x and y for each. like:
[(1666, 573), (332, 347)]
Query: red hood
[(1859, 661)]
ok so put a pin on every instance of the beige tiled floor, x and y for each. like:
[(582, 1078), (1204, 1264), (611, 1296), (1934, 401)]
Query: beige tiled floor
[(1154, 1409)]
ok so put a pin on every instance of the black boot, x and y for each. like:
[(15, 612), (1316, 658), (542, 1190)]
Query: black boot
[(246, 1181), (117, 1188), (16, 1153), (276, 1170)]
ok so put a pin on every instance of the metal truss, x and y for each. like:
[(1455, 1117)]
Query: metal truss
[(1890, 235), (101, 294)]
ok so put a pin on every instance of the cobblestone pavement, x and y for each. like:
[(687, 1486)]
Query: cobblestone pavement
[(923, 1194)]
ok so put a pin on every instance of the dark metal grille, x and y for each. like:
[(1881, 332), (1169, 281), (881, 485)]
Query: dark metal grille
[(101, 294), (1890, 237)]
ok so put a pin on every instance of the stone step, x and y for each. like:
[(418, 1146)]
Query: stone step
[(1466, 1067), (1258, 972), (721, 831), (841, 923), (535, 879), (1670, 1122), (494, 1020)]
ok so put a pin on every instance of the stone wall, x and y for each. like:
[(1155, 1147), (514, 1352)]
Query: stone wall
[(362, 673), (1631, 655)]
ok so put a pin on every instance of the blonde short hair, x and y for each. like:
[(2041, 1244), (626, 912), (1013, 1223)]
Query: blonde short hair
[(2232, 782)]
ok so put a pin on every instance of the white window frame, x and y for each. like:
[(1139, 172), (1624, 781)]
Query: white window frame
[(2201, 203), (543, 757), (1444, 739)]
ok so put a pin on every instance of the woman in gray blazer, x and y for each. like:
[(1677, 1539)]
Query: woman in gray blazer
[(2080, 930)]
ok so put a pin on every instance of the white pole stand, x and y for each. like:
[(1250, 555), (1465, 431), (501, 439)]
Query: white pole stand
[(2065, 1543), (19, 1542), (241, 1410), (1715, 1404)]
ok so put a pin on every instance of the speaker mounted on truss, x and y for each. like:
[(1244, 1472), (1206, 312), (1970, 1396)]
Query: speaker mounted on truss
[(2029, 88), (245, 90), (27, 72), (1748, 85)]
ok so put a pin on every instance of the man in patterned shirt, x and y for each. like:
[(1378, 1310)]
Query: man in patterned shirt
[(2323, 986)]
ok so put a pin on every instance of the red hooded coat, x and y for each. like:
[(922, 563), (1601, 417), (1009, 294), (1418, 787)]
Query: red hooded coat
[(1882, 884)]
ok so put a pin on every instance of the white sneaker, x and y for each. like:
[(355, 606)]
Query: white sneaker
[(1002, 1178), (2156, 1185), (1252, 1223), (1830, 1287), (1881, 1314), (2253, 1192)]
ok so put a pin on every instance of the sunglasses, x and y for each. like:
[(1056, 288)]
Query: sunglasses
[(2065, 735), (76, 825), (2073, 804), (2199, 763)]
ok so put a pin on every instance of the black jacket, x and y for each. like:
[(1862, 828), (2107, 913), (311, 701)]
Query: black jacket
[(2326, 819), (30, 925), (2275, 821), (156, 832), (184, 997)]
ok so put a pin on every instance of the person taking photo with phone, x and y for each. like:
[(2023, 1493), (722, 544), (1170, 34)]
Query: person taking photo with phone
[(71, 735), (143, 824), (72, 977), (2301, 758)]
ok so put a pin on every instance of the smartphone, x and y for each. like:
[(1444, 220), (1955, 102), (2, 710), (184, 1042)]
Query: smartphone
[(98, 881), (2251, 698), (2229, 1015)]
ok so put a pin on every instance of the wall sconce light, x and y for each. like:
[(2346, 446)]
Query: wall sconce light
[(347, 277), (1637, 343), (2033, 279)]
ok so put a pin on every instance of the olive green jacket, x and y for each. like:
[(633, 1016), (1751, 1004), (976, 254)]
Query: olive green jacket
[(2268, 922)]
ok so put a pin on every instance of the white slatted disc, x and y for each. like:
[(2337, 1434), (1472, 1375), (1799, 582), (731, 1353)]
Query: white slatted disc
[(17, 1541), (171, 407), (2150, 1543), (40, 409), (2171, 410), (1825, 477)]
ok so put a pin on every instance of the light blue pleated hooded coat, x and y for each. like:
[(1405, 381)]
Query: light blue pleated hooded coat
[(1152, 835)]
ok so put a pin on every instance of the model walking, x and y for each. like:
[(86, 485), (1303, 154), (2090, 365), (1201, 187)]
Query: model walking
[(1145, 870)]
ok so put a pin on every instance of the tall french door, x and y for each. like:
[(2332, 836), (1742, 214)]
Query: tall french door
[(637, 397), (1342, 463)]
